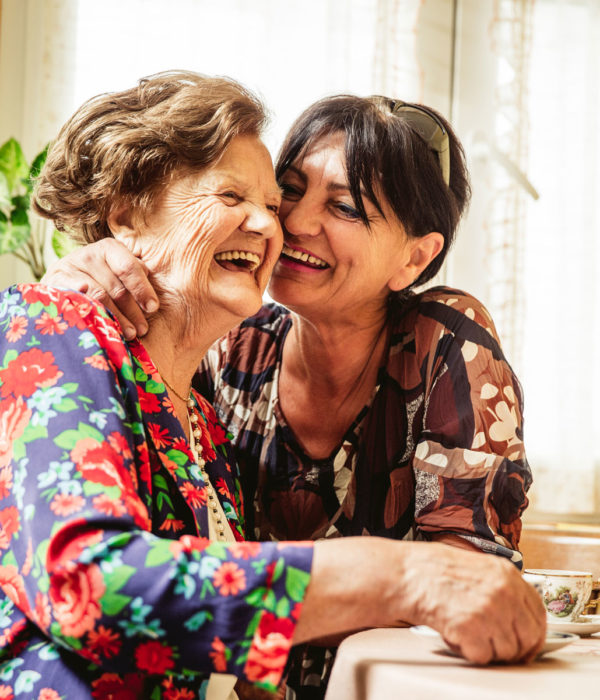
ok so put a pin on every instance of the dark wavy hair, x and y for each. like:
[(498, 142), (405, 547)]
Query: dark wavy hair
[(384, 152), (123, 147)]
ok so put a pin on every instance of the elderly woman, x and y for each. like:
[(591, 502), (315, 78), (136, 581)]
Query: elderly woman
[(364, 411)]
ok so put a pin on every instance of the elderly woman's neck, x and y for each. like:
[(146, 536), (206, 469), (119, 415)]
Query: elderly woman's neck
[(177, 345)]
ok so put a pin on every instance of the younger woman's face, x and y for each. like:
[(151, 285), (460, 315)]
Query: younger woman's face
[(332, 263)]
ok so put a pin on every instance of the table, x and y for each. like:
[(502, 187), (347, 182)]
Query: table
[(384, 664)]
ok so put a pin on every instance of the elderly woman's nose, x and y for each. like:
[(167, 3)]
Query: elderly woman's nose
[(259, 219)]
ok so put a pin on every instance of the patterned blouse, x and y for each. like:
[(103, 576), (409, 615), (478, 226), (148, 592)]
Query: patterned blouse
[(109, 585), (439, 448)]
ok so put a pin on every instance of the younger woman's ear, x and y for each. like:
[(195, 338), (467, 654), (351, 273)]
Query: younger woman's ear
[(421, 251)]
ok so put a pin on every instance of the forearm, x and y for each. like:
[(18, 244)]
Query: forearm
[(356, 583)]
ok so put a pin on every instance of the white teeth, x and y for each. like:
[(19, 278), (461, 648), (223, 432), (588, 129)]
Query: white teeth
[(252, 258), (304, 257)]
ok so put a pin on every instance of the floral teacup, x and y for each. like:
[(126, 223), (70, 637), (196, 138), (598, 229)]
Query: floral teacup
[(564, 593)]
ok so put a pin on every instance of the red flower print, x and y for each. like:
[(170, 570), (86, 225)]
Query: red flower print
[(159, 435), (171, 524), (48, 694), (229, 578), (41, 614), (6, 692), (208, 452), (68, 543), (29, 371), (49, 325), (179, 694), (26, 568), (109, 506), (9, 524), (96, 361), (33, 293), (74, 313), (167, 405), (104, 642), (218, 433), (16, 328), (181, 444), (66, 504), (149, 402), (194, 495), (98, 462), (218, 655), (119, 444), (75, 593), (154, 657), (11, 582), (270, 649), (244, 550), (187, 543), (6, 477), (14, 417), (111, 686), (222, 488)]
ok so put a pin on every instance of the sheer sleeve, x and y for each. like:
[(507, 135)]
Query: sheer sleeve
[(471, 472)]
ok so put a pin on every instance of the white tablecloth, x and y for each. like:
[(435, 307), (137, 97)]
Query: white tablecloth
[(397, 663)]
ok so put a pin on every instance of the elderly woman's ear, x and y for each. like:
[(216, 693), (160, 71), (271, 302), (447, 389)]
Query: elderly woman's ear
[(121, 224), (420, 252)]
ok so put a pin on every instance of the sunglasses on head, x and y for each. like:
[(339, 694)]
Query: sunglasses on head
[(429, 128)]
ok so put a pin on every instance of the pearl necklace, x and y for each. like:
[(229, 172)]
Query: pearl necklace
[(214, 509)]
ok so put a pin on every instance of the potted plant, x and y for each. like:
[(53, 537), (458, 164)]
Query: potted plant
[(20, 234)]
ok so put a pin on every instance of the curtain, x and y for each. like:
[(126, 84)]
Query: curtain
[(561, 321)]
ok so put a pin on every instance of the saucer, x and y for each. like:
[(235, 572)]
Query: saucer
[(583, 627), (554, 639)]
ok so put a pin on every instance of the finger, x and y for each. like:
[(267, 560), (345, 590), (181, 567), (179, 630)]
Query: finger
[(132, 274), (129, 331)]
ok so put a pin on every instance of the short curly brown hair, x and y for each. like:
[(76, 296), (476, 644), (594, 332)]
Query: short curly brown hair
[(123, 147)]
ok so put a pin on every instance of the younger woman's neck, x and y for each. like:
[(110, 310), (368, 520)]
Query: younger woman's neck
[(332, 357)]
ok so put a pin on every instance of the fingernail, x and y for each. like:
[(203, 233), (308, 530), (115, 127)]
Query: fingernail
[(142, 330), (130, 332), (151, 306)]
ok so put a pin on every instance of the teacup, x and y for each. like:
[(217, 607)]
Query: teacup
[(564, 593)]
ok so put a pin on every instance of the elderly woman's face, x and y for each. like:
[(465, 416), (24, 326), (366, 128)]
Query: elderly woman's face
[(214, 236)]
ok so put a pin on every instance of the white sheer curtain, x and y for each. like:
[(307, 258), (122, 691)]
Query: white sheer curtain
[(527, 107), (561, 330)]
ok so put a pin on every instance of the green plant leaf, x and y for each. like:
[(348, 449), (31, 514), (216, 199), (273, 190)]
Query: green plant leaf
[(62, 244), (5, 204), (38, 164), (13, 164), (12, 236)]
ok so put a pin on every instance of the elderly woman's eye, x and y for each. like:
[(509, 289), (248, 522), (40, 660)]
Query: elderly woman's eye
[(274, 208), (233, 196)]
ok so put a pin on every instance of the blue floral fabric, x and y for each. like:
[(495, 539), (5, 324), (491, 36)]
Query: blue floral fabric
[(109, 585)]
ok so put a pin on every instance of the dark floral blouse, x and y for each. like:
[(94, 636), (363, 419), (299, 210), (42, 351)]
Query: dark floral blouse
[(110, 587), (439, 448)]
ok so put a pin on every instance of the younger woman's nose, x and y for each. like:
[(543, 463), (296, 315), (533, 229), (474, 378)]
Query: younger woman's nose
[(300, 218)]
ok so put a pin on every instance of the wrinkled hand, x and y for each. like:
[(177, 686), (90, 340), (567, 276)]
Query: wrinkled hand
[(108, 272), (480, 604)]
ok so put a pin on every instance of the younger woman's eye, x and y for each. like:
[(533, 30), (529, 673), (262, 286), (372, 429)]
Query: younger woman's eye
[(347, 211), (289, 191)]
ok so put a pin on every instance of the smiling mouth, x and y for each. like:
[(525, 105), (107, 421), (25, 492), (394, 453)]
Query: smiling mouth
[(235, 260), (302, 257)]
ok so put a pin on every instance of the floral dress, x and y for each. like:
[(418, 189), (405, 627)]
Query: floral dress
[(110, 587)]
